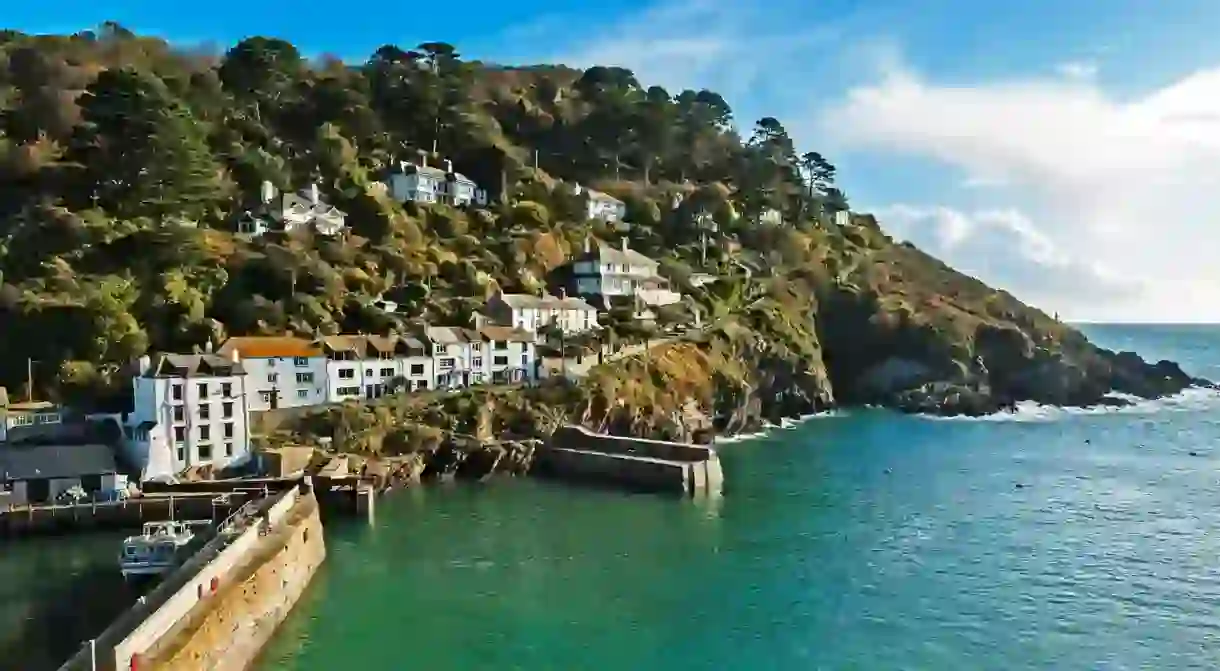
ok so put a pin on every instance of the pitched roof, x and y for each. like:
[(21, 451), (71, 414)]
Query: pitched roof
[(506, 334), (446, 334), (610, 254), (193, 365), (267, 347), (27, 462), (524, 301)]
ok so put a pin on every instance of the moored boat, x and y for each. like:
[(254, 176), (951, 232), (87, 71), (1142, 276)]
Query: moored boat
[(158, 549)]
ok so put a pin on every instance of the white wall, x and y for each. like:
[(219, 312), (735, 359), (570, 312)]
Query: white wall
[(278, 376), (187, 438)]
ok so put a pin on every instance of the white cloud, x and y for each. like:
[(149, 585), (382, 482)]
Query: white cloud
[(1078, 69), (1127, 186), (1007, 249)]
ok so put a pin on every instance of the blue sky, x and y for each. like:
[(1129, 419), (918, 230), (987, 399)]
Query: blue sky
[(1067, 150)]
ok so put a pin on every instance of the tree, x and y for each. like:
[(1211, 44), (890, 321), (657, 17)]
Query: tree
[(260, 70), (142, 153)]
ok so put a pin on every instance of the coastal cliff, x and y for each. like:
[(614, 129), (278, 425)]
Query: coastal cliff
[(139, 187)]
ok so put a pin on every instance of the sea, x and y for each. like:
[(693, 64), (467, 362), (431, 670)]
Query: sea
[(863, 540)]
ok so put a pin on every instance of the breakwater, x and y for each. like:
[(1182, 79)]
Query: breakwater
[(578, 454), (216, 610)]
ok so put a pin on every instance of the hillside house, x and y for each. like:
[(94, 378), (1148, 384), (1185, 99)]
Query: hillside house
[(608, 273), (511, 354), (601, 206), (531, 313), (454, 353), (421, 183), (284, 371), (21, 421), (304, 210)]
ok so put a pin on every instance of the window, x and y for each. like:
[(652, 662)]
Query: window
[(226, 389), (417, 369), (264, 396), (300, 361), (476, 346), (478, 362), (348, 391), (176, 392), (205, 432), (229, 430), (500, 361), (205, 412), (203, 389), (226, 410), (387, 372), (525, 359), (181, 452), (302, 393), (368, 372), (179, 435), (347, 373), (446, 364), (304, 378), (205, 452), (273, 377), (228, 449), (179, 414), (51, 418), (421, 384), (23, 420)]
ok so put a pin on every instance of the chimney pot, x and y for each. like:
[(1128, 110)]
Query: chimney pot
[(267, 192), (313, 193), (448, 166), (145, 362), (624, 243)]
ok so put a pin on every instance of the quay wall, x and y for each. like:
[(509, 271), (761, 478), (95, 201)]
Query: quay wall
[(575, 453), (127, 514), (243, 581)]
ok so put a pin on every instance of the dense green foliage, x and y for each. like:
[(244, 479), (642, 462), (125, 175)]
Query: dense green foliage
[(113, 147)]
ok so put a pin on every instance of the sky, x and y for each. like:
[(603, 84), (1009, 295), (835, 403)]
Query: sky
[(1065, 150)]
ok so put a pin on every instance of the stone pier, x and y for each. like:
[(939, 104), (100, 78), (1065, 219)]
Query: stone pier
[(578, 454)]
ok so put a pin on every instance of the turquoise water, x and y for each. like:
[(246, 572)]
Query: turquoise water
[(1045, 540)]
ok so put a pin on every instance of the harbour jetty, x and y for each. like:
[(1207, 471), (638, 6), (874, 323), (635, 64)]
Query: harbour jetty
[(218, 609), (579, 454)]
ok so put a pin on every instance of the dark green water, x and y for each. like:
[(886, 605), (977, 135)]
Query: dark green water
[(1046, 540)]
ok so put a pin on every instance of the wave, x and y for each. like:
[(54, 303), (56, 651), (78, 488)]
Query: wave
[(1193, 399), (785, 424)]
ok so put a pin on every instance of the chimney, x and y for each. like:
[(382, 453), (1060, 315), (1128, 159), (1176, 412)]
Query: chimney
[(207, 347), (588, 245), (624, 243), (448, 166), (234, 355), (479, 319), (313, 193), (267, 192), (423, 159), (145, 362), (563, 294)]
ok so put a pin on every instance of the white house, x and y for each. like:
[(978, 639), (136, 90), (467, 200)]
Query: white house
[(284, 372), (422, 183), (608, 273), (189, 410), (458, 358), (293, 211), (511, 354), (27, 420), (842, 218), (416, 363), (771, 216), (601, 206), (531, 313)]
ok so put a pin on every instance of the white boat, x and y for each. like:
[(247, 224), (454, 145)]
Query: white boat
[(156, 550)]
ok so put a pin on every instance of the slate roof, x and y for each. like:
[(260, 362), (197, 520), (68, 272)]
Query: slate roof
[(28, 462), (610, 254), (506, 334), (193, 365), (524, 301)]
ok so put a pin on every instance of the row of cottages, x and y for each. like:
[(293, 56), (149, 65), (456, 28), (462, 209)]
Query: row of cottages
[(288, 372), (609, 275), (289, 212), (422, 183)]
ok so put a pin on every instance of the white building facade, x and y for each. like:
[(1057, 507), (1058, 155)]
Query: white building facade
[(601, 206), (284, 372), (421, 183), (189, 410), (531, 313), (510, 355)]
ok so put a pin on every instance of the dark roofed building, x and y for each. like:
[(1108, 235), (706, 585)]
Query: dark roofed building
[(36, 474)]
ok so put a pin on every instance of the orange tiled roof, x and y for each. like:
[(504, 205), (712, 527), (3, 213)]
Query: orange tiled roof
[(266, 347)]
